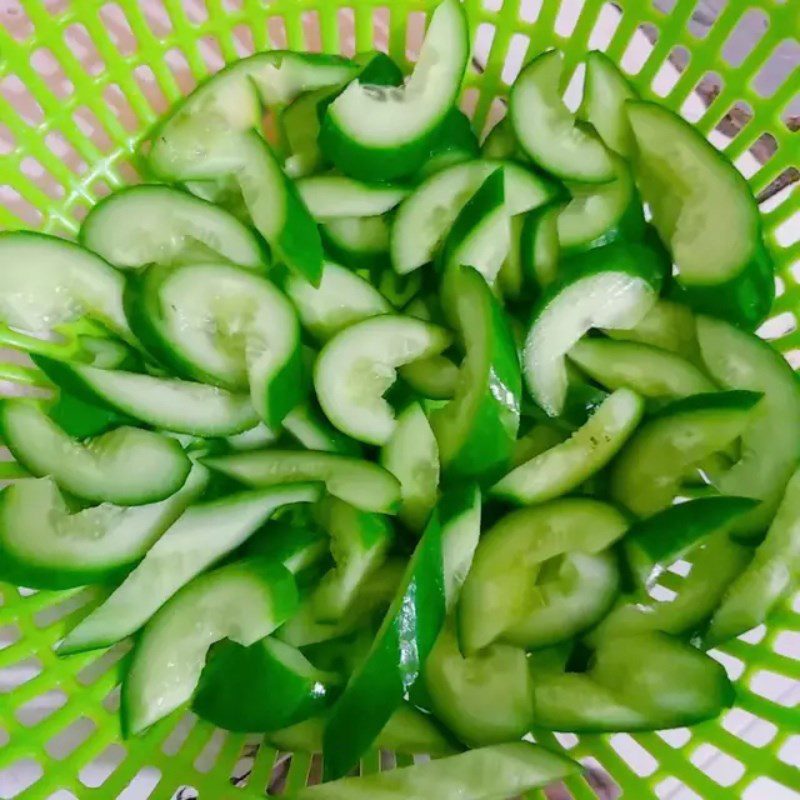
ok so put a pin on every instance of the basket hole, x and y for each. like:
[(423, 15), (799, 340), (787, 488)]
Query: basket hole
[(83, 48), (146, 80), (777, 688), (210, 753), (567, 740), (101, 665), (157, 19), (16, 22), (529, 10), (211, 53), (40, 708), (118, 28), (71, 738), (232, 6), (755, 635), (634, 755), (18, 777), (787, 643), (5, 737), (381, 18), (754, 158), (598, 777), (763, 788), (567, 17), (733, 666), (118, 103), (9, 634), (484, 38), (469, 100), (735, 120), (276, 31), (639, 48), (42, 178), (790, 751), (91, 127), (20, 97), (702, 97), (664, 6), (515, 57), (672, 787), (497, 111), (777, 68), (745, 36), (312, 35), (346, 25), (287, 765), (49, 67), (111, 701), (605, 27), (59, 610), (243, 40), (748, 727), (791, 116), (7, 144), (142, 785), (18, 674), (415, 34), (573, 94), (127, 173), (195, 10), (718, 765), (56, 7), (493, 5), (704, 16), (786, 234), (173, 743), (176, 60), (21, 208), (242, 769), (774, 328), (186, 793)]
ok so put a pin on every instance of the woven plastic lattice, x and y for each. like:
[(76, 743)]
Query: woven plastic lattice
[(80, 84)]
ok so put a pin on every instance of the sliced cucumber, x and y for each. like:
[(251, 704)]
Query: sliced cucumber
[(243, 602), (771, 443), (360, 483), (381, 133), (539, 246), (331, 196), (45, 545), (341, 299), (357, 242), (360, 363), (308, 425), (435, 377), (294, 541), (706, 215), (126, 466), (454, 143), (202, 536), (484, 698), (646, 477), (564, 467), (460, 517), (173, 405), (502, 143), (649, 371), (299, 124), (546, 130), (609, 287), (422, 219), (142, 225), (540, 438)]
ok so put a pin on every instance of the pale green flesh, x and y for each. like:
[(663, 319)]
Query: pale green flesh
[(331, 196), (359, 235), (460, 536), (487, 245)]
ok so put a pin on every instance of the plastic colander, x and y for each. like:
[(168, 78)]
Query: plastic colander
[(81, 83)]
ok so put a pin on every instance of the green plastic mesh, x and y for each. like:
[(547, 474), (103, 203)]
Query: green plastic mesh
[(80, 84)]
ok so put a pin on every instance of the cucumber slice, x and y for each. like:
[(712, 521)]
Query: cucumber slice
[(646, 477), (341, 299), (435, 377), (460, 517), (476, 430), (566, 466), (243, 602), (412, 456), (609, 287), (255, 438), (502, 143), (358, 242), (360, 363), (298, 544), (308, 425), (300, 124), (649, 371), (539, 439), (511, 555), (399, 290), (173, 405), (605, 93), (330, 196), (504, 770), (485, 698), (425, 216), (142, 225), (381, 133), (283, 687), (126, 466), (771, 443), (45, 545), (224, 325), (202, 536), (546, 130), (539, 246), (455, 142), (706, 216), (47, 281), (361, 483)]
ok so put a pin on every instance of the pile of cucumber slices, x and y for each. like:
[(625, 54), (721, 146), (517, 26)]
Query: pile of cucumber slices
[(382, 437)]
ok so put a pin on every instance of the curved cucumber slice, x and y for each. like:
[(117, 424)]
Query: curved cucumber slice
[(649, 371), (307, 424), (433, 207), (126, 466), (201, 537), (609, 287), (566, 466), (706, 215), (412, 456), (361, 483), (546, 130), (435, 377), (460, 517), (221, 324), (243, 602), (380, 133), (476, 430), (539, 246), (360, 363), (484, 698), (341, 299), (44, 545), (328, 196), (358, 242), (511, 555), (283, 687), (771, 443), (647, 476), (502, 143), (47, 281), (454, 143), (142, 225), (173, 405), (504, 770)]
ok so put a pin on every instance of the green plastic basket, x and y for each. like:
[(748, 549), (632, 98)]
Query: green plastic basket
[(81, 82)]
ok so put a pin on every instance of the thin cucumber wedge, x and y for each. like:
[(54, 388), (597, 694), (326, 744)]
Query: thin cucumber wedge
[(546, 130), (539, 246), (243, 602), (308, 425), (153, 224), (705, 214), (502, 143), (647, 476), (608, 287), (540, 438), (43, 543), (166, 403), (360, 363), (460, 516), (435, 378), (202, 536), (566, 466), (331, 196), (126, 466), (382, 133), (454, 143), (357, 242), (360, 483)]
